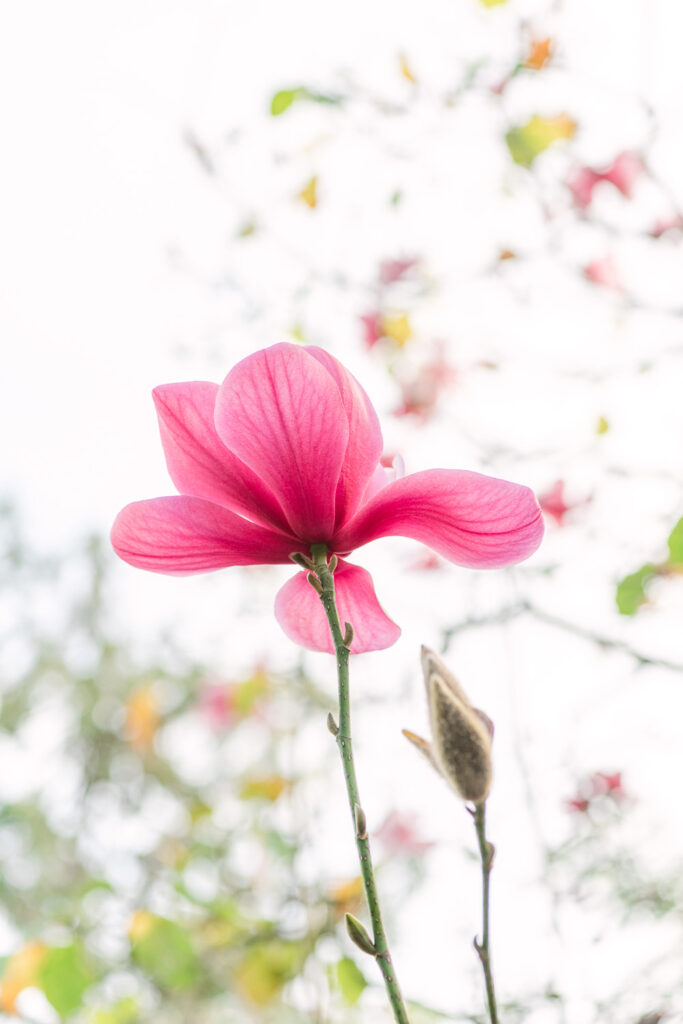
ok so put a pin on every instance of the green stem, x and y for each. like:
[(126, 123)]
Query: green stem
[(486, 850), (381, 946)]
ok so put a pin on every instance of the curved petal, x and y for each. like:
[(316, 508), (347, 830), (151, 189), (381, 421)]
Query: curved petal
[(299, 611), (181, 535), (471, 519), (199, 463), (280, 411), (365, 437)]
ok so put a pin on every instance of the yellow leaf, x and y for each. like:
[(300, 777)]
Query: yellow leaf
[(21, 971), (539, 54), (347, 897), (142, 718), (526, 141), (406, 70), (309, 193), (296, 331), (141, 924), (266, 968), (268, 788), (602, 426), (397, 327), (492, 3)]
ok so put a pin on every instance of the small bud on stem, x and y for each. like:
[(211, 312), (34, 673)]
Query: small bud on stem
[(348, 634), (332, 725), (315, 583), (359, 935), (303, 560), (361, 823), (332, 564)]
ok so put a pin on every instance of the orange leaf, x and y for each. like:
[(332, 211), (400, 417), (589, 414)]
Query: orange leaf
[(21, 971), (539, 54), (309, 193), (406, 70), (347, 897), (142, 718)]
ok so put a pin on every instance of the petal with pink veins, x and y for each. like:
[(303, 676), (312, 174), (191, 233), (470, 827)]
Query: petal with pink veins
[(299, 611), (473, 520), (199, 463), (365, 437), (281, 412), (181, 535)]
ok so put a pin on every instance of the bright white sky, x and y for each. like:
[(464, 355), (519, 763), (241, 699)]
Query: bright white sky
[(101, 200)]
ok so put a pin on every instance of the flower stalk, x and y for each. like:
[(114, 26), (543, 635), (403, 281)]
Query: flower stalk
[(379, 947), (486, 851)]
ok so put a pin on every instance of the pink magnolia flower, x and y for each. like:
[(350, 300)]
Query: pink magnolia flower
[(285, 453)]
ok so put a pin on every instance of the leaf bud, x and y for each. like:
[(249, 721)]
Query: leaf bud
[(361, 822), (359, 935), (315, 583)]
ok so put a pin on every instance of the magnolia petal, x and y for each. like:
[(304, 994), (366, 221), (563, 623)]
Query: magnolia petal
[(181, 535), (299, 611), (281, 412), (365, 437), (473, 520), (199, 463)]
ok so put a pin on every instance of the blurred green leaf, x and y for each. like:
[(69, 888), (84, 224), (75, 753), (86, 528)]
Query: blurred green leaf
[(351, 981), (324, 97), (247, 694), (631, 591), (126, 1011), (283, 100), (63, 976), (267, 967), (165, 951), (527, 141), (675, 543)]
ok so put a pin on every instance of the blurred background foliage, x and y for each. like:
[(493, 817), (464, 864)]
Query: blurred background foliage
[(135, 890)]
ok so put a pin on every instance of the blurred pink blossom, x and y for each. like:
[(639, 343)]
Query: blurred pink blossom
[(553, 502), (664, 225), (372, 328), (604, 272), (581, 185), (398, 834), (420, 393), (217, 703), (391, 271), (623, 173), (597, 787)]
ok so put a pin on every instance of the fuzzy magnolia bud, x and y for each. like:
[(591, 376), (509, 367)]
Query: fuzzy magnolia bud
[(461, 746)]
